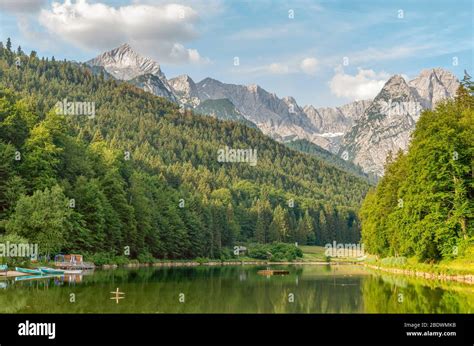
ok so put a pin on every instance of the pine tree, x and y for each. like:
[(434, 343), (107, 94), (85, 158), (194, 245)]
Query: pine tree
[(281, 223), (264, 219)]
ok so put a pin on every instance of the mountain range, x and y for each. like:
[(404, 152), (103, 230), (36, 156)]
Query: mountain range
[(363, 132)]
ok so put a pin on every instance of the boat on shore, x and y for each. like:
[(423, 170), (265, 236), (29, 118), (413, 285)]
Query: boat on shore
[(51, 271), (28, 271)]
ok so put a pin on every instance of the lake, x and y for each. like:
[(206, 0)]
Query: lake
[(236, 289)]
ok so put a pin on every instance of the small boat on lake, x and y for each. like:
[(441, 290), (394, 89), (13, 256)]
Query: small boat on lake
[(28, 271), (51, 271)]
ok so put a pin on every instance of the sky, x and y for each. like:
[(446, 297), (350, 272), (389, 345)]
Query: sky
[(324, 53)]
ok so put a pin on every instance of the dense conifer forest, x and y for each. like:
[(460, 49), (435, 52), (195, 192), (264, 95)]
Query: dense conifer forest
[(143, 175)]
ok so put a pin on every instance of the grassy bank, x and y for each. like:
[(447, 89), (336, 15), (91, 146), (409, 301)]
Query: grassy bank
[(463, 265), (458, 269), (312, 253)]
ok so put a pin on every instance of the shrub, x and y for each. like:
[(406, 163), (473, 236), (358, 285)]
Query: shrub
[(202, 260), (145, 257), (394, 261), (120, 260), (275, 252), (226, 254), (100, 258)]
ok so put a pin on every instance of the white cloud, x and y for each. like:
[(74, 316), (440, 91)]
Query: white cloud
[(390, 53), (366, 84), (205, 8), (21, 6), (309, 65), (277, 68), (270, 69), (156, 30)]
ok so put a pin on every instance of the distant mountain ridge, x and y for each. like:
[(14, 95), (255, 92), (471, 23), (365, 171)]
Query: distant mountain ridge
[(359, 131)]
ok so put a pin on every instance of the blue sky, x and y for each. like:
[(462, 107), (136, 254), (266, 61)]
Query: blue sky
[(327, 54)]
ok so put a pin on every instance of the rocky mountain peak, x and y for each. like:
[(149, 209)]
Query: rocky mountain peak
[(209, 80), (395, 79), (184, 87), (184, 78), (387, 123), (434, 85), (289, 100), (254, 88), (395, 86), (125, 63), (125, 46)]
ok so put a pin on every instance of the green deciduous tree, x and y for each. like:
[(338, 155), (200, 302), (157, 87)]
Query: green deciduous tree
[(423, 206), (43, 218)]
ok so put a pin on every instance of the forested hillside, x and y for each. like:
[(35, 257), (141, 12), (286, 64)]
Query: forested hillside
[(307, 147), (424, 205), (140, 174)]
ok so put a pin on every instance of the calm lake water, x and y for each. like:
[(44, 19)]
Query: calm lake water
[(236, 289)]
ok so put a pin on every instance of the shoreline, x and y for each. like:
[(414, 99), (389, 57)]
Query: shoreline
[(216, 263), (467, 279)]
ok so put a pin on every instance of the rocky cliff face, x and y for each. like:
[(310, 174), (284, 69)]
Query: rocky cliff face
[(153, 85), (222, 109), (125, 64), (336, 120), (281, 119), (387, 123), (333, 123), (185, 90), (434, 85)]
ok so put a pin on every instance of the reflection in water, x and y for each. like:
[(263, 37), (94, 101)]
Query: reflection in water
[(398, 295), (307, 289)]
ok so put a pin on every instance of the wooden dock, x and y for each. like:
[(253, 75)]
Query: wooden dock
[(74, 266)]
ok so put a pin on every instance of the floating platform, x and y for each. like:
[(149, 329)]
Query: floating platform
[(268, 272), (74, 266)]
